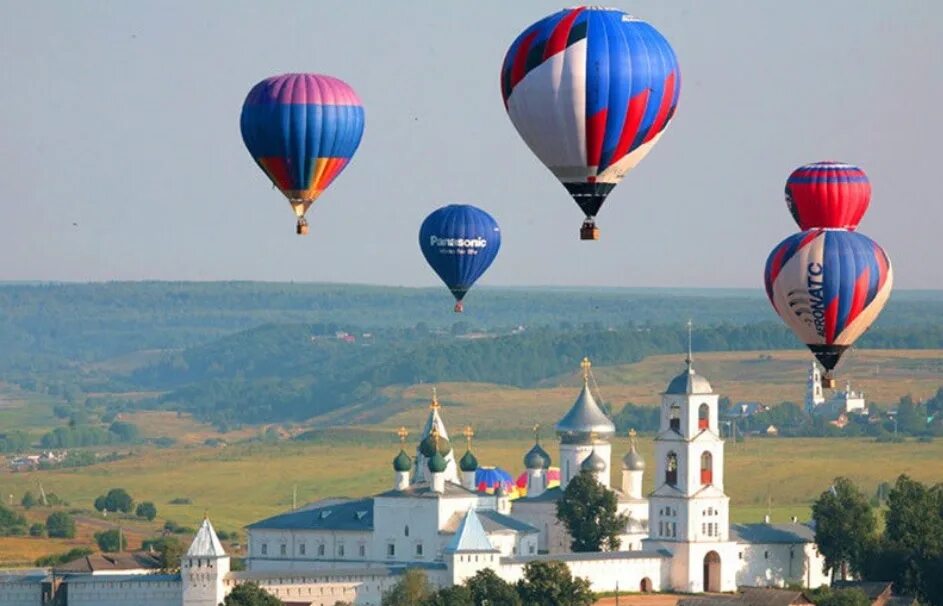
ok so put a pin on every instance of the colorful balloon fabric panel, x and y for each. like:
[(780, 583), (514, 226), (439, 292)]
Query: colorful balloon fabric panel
[(828, 194), (302, 130)]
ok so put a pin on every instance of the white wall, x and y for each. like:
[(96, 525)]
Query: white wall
[(103, 591), (624, 574), (21, 593), (778, 565)]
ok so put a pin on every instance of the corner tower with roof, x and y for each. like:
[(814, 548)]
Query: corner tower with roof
[(584, 436), (204, 568), (688, 510)]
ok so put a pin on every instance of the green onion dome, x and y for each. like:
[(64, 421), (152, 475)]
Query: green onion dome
[(402, 462), (428, 446), (468, 462), (437, 463)]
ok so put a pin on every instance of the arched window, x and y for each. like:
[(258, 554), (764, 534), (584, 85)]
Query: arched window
[(703, 416), (406, 530), (707, 468), (671, 469), (674, 418)]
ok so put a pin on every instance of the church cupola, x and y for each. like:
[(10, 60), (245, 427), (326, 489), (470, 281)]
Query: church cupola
[(593, 463), (203, 568), (427, 446), (402, 464), (537, 462), (633, 468), (583, 430), (469, 463)]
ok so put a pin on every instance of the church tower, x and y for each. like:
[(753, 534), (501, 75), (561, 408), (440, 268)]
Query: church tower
[(428, 445), (688, 510), (204, 568), (584, 437), (813, 391)]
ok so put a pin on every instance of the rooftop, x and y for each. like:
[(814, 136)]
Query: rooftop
[(491, 520), (772, 533), (111, 562), (423, 490), (206, 544), (336, 515), (470, 536)]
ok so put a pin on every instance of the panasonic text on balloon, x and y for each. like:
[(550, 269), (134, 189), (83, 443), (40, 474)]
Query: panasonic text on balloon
[(458, 242)]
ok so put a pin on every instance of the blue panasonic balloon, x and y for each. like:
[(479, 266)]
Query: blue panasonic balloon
[(459, 241)]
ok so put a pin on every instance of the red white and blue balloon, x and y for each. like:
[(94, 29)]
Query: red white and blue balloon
[(590, 90)]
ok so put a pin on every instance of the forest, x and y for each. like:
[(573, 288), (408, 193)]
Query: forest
[(235, 353)]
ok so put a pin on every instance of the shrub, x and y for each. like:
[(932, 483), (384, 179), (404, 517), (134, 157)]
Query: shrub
[(60, 525)]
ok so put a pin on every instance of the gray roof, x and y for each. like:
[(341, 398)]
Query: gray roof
[(23, 575), (551, 494), (326, 574), (772, 533), (492, 521), (424, 490), (584, 418), (206, 544), (593, 462), (470, 536), (537, 458), (347, 515), (872, 589), (689, 383), (111, 562), (117, 578)]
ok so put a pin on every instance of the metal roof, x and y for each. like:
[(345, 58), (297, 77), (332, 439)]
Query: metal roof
[(348, 515), (491, 520), (470, 536), (98, 562), (424, 490), (585, 418), (772, 533), (689, 383), (206, 544)]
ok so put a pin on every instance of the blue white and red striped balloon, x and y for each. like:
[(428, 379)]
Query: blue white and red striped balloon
[(590, 90), (828, 194), (828, 286)]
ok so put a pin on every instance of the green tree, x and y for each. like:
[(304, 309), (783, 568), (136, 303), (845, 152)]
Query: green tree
[(488, 587), (60, 525), (11, 523), (913, 529), (551, 584), (844, 526), (839, 597), (107, 540), (146, 510), (29, 500), (410, 590), (588, 510), (457, 595), (116, 500), (169, 550), (37, 530), (250, 594)]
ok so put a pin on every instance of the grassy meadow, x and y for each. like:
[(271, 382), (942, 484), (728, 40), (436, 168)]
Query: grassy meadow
[(248, 480)]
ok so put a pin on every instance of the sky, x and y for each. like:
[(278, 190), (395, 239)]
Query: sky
[(121, 158)]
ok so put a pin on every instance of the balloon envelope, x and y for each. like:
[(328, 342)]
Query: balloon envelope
[(828, 286), (828, 194), (460, 242), (302, 130), (590, 91), (487, 479), (553, 480)]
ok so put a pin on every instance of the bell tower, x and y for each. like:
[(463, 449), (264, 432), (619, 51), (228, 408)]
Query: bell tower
[(688, 510)]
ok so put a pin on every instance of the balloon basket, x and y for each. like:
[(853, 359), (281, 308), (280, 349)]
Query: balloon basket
[(828, 381), (459, 307), (589, 231), (301, 229)]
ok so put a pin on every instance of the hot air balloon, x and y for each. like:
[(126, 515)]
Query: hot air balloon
[(828, 286), (459, 241), (553, 480), (828, 194), (487, 479), (302, 130), (590, 90)]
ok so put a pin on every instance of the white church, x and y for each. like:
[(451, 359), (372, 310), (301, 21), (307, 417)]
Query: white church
[(678, 538)]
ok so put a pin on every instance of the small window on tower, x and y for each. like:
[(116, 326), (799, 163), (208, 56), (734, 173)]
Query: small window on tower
[(390, 550), (406, 531), (703, 416), (363, 551), (264, 548), (321, 549), (671, 469), (283, 549), (674, 418), (302, 548)]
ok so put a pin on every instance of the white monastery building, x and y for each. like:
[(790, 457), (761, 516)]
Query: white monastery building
[(678, 538)]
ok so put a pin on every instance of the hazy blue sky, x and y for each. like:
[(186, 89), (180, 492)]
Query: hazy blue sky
[(123, 117)]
